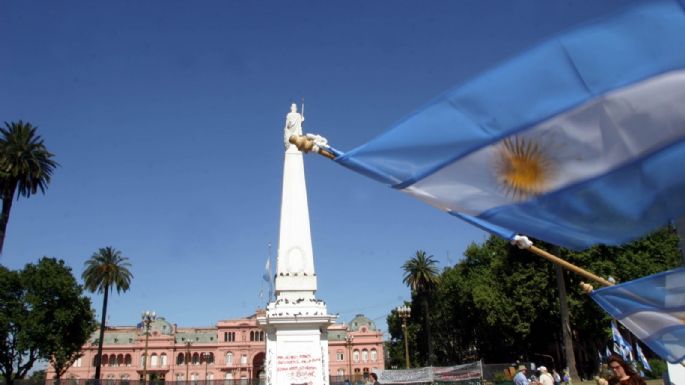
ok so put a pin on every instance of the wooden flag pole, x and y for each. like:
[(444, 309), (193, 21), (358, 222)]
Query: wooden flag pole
[(569, 266), (306, 144)]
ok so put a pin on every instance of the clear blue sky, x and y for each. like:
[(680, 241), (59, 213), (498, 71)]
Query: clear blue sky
[(167, 118)]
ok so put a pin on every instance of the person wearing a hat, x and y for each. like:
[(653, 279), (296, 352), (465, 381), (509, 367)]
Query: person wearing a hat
[(545, 377), (520, 377)]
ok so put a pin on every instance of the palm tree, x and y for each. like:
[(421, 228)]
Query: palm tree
[(421, 275), (25, 167), (106, 269)]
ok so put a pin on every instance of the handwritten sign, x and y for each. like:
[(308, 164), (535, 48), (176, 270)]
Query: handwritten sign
[(298, 368)]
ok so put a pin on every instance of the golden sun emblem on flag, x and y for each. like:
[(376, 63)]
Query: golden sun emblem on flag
[(523, 167)]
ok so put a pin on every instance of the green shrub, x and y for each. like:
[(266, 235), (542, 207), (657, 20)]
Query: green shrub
[(658, 368), (501, 378)]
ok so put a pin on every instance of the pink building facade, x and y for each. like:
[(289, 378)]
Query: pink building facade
[(232, 350)]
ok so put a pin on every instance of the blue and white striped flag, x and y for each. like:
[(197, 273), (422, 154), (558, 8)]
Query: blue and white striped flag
[(624, 348), (653, 309), (572, 142), (642, 358)]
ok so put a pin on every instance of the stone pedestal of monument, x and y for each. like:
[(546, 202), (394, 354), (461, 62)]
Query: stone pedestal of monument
[(295, 323)]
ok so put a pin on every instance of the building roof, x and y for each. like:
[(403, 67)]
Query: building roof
[(359, 322)]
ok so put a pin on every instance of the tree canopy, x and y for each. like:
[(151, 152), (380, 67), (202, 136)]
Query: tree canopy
[(501, 304), (421, 275), (43, 316), (106, 269), (26, 167)]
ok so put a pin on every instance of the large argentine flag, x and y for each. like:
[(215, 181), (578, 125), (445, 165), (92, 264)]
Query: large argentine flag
[(653, 309), (576, 142)]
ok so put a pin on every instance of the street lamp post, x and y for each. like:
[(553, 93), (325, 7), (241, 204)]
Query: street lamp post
[(148, 317), (348, 342), (187, 360), (404, 311)]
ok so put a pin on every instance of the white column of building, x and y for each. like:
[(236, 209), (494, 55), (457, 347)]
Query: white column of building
[(295, 322)]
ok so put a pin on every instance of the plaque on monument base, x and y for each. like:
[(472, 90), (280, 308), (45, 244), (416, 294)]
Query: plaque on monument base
[(296, 349)]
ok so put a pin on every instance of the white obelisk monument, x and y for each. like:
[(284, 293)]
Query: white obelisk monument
[(295, 322)]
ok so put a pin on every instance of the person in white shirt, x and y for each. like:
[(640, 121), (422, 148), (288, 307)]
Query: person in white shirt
[(545, 377)]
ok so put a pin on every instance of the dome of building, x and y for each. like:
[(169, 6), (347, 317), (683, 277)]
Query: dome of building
[(362, 323)]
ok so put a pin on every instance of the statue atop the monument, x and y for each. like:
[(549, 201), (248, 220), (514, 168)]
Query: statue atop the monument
[(293, 124)]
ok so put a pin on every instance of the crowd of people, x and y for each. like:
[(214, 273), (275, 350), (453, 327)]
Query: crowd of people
[(621, 373), (544, 378)]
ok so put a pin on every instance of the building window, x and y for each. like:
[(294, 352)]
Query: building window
[(374, 355), (179, 359), (154, 360), (96, 358), (127, 360), (142, 360), (163, 359), (355, 356), (210, 376), (243, 359), (340, 356), (229, 358), (365, 355), (196, 359), (112, 360), (179, 377), (229, 336)]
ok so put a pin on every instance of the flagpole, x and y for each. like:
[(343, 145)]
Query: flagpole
[(569, 266), (271, 276), (306, 144)]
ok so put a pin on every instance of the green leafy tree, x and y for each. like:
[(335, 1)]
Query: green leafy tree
[(43, 316), (421, 275), (18, 352), (106, 269), (25, 167), (70, 315), (501, 304)]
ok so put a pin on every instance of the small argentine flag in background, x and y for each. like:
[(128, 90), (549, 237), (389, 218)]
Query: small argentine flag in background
[(642, 358), (573, 142), (624, 348)]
